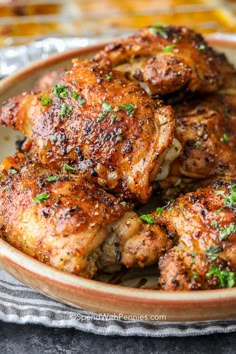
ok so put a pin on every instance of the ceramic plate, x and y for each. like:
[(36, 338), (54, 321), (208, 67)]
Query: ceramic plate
[(125, 296)]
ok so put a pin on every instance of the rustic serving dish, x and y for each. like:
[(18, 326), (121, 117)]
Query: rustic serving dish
[(121, 298)]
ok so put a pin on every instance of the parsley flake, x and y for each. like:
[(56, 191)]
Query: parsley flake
[(214, 223), (113, 118), (67, 168), (65, 110), (160, 210), (226, 278), (212, 252), (108, 77), (148, 218), (53, 138), (225, 138), (12, 171), (41, 197), (219, 192), (45, 100), (194, 276), (202, 47), (226, 231), (198, 143), (106, 109), (78, 98), (231, 199), (168, 48), (158, 29), (60, 90), (51, 179), (129, 107)]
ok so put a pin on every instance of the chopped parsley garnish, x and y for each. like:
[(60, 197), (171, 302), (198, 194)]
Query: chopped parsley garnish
[(226, 278), (225, 138), (129, 107), (124, 203), (78, 98), (106, 109), (219, 192), (231, 199), (198, 143), (60, 91), (218, 211), (67, 168), (212, 252), (12, 171), (193, 255), (41, 197), (202, 47), (194, 276), (214, 223), (45, 100), (160, 210), (51, 179), (168, 48), (65, 110), (159, 29), (225, 232), (113, 118), (53, 138), (148, 218), (108, 77)]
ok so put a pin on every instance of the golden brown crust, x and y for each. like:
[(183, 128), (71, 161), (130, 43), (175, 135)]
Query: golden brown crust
[(206, 128), (134, 243), (55, 217), (205, 224), (106, 127), (168, 59)]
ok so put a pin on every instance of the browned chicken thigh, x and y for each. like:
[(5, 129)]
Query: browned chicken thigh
[(205, 224), (64, 221), (54, 216), (169, 59), (101, 125), (206, 129), (205, 126), (134, 243)]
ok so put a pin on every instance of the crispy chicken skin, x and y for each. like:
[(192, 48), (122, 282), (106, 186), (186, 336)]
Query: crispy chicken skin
[(55, 217), (168, 59), (66, 222), (134, 243), (206, 129), (101, 124), (49, 79), (204, 222)]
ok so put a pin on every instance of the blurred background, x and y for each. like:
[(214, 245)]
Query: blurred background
[(31, 29)]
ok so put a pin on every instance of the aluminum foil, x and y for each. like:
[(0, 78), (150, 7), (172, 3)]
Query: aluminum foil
[(14, 58)]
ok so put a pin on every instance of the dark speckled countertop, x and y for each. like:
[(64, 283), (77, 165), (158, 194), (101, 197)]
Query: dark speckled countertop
[(21, 339)]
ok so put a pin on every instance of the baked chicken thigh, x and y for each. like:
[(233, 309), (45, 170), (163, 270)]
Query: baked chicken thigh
[(204, 222), (206, 129), (54, 216), (62, 220), (205, 126), (101, 125), (169, 59)]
